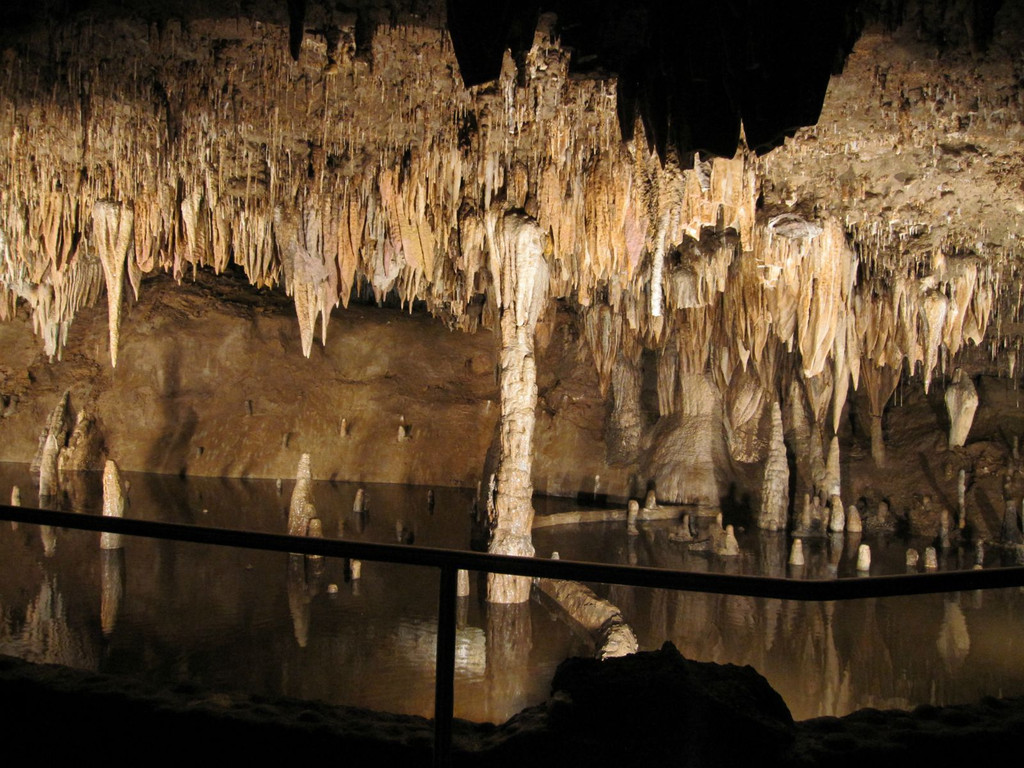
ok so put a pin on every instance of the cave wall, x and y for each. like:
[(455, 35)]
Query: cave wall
[(351, 160)]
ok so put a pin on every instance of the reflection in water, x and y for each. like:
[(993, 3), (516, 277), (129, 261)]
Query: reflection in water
[(349, 633), (112, 587), (274, 624)]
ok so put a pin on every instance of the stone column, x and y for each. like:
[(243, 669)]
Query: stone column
[(516, 244)]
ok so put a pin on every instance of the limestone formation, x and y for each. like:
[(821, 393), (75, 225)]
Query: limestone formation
[(863, 558), (961, 403), (84, 448), (358, 502), (727, 545), (912, 559), (775, 486), (516, 246), (853, 521), (114, 238), (113, 503), (632, 513), (796, 553), (301, 509), (15, 496), (462, 583), (612, 636), (51, 441), (931, 559), (837, 517)]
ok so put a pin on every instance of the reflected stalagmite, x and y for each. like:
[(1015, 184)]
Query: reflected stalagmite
[(112, 579), (113, 503), (954, 641), (509, 637)]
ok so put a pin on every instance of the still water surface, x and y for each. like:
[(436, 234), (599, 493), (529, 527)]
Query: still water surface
[(269, 623)]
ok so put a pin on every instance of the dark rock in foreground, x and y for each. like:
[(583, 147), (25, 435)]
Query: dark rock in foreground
[(649, 709)]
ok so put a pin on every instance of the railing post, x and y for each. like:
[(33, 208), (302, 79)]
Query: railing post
[(444, 669)]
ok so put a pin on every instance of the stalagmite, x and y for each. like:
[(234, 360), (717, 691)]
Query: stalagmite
[(114, 239), (912, 559), (961, 403), (357, 503), (931, 559), (853, 521), (517, 245), (880, 383), (775, 485), (1010, 531), (113, 503), (462, 583), (961, 497), (863, 558), (52, 440), (15, 496), (796, 553), (832, 477), (632, 513), (301, 509), (727, 545), (837, 518)]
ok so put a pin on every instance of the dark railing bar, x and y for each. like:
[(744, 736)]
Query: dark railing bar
[(637, 576), (444, 668)]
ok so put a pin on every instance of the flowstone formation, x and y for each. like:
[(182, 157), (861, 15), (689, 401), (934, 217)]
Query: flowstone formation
[(738, 312)]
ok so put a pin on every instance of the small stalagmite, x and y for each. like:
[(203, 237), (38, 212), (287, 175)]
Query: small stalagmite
[(863, 558), (113, 503), (632, 513), (301, 508), (961, 498), (931, 559), (796, 553), (912, 559), (15, 496), (837, 518), (462, 583), (357, 503), (727, 545), (961, 404), (775, 485), (853, 521)]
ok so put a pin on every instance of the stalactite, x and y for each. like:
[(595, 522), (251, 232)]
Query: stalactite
[(114, 239), (961, 404)]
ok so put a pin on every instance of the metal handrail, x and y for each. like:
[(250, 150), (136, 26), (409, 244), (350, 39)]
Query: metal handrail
[(449, 562)]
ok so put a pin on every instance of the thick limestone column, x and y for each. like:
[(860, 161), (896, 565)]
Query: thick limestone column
[(775, 486), (517, 254)]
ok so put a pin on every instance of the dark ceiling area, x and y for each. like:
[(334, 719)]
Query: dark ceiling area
[(692, 71)]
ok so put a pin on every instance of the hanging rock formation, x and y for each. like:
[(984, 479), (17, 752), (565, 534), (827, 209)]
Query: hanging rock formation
[(961, 403)]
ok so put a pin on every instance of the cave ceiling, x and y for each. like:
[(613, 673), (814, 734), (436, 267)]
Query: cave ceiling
[(743, 189)]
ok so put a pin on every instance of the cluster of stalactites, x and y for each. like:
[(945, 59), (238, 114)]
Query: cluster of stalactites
[(794, 302), (325, 189)]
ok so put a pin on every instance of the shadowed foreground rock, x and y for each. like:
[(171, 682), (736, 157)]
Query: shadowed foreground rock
[(649, 709)]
